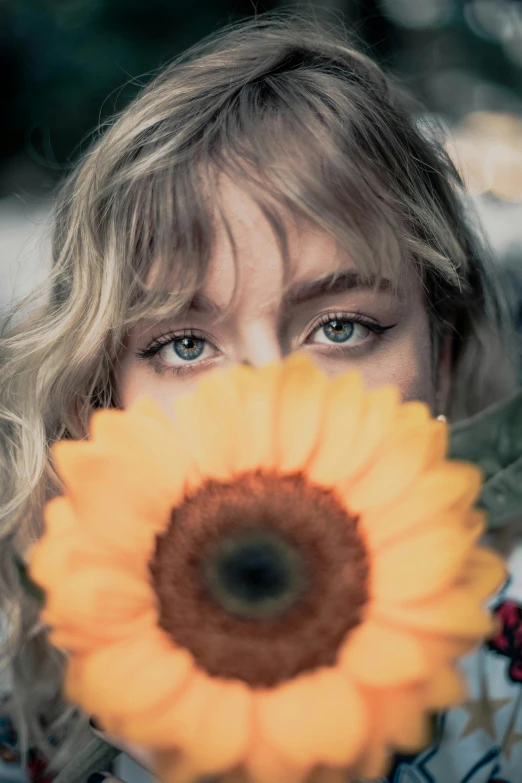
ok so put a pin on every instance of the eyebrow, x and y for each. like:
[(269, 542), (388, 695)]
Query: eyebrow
[(299, 293), (335, 283)]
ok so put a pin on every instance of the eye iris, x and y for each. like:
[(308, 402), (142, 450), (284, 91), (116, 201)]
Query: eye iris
[(189, 347), (339, 331)]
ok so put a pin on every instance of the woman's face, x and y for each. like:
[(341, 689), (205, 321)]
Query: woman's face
[(383, 334)]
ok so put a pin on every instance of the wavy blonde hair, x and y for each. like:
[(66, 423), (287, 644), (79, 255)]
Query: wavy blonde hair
[(305, 120)]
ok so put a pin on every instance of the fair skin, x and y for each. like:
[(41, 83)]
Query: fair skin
[(265, 325)]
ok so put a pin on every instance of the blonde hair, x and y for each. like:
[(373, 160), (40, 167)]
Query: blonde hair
[(305, 120)]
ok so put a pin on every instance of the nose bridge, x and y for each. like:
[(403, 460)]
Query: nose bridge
[(260, 343)]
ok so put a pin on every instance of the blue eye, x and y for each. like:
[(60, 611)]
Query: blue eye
[(345, 329), (339, 331), (188, 348)]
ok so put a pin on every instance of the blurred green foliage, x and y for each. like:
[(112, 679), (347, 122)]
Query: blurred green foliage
[(68, 64)]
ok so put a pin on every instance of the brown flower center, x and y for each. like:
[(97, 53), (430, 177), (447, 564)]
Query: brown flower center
[(260, 578)]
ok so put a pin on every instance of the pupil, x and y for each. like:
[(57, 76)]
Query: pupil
[(339, 331), (189, 347)]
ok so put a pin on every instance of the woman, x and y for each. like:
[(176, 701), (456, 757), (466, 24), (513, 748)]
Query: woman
[(271, 190)]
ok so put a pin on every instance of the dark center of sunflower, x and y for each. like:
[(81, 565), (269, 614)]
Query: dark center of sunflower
[(256, 574), (261, 578)]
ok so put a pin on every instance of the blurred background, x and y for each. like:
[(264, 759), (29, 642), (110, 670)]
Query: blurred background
[(69, 64)]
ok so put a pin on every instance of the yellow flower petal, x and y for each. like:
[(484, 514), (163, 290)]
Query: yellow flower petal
[(377, 758), (362, 656), (223, 732), (484, 573), (446, 688), (65, 548), (331, 733), (455, 611), (402, 572), (99, 597), (443, 650), (147, 435), (102, 485), (379, 413), (403, 457), (189, 720), (131, 676), (442, 487), (402, 718), (265, 764), (211, 426), (300, 412), (342, 453), (343, 407), (78, 639), (257, 418), (207, 419), (408, 728)]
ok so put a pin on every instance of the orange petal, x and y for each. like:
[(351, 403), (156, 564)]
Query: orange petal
[(439, 489), (96, 597), (119, 680), (300, 412), (77, 639), (375, 420), (485, 572), (455, 611), (224, 730), (178, 720), (64, 547), (401, 571), (380, 409), (343, 407), (207, 417), (403, 457), (401, 716), (446, 688), (442, 650), (257, 418), (214, 431), (318, 718), (265, 764), (103, 487), (362, 656), (376, 760), (146, 434)]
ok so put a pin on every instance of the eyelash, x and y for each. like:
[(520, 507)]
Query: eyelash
[(153, 349)]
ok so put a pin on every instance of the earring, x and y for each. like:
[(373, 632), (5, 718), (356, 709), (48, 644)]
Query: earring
[(441, 416)]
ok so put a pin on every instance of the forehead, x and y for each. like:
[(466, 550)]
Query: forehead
[(262, 249), (240, 225), (247, 257)]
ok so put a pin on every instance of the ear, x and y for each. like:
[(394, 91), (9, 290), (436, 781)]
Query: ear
[(444, 374)]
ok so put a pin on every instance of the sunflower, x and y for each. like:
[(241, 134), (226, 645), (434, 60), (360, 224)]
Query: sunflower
[(272, 585)]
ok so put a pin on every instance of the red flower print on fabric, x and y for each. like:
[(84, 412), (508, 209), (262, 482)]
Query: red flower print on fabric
[(509, 640)]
